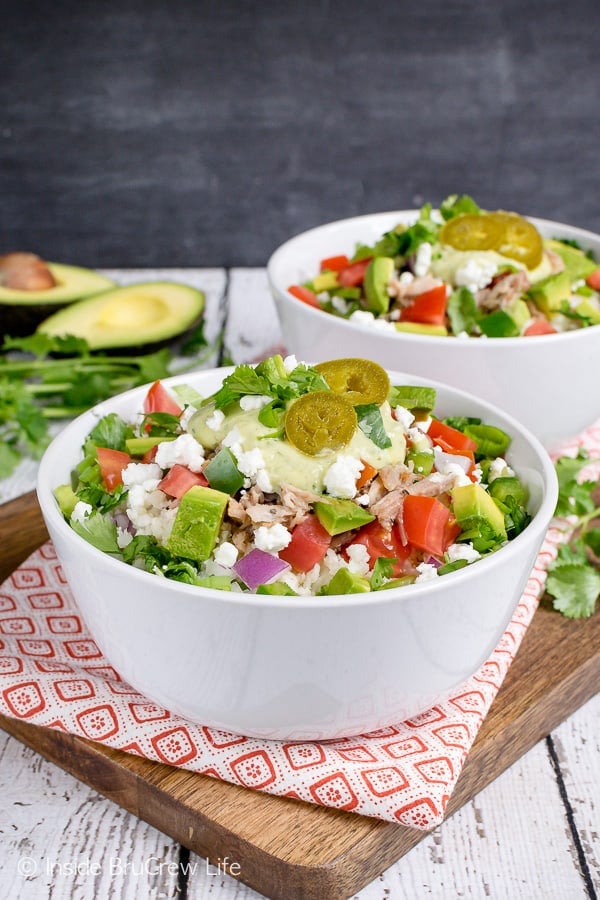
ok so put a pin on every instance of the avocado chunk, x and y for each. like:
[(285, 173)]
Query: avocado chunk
[(377, 277), (577, 264), (337, 516), (324, 282), (586, 308), (66, 498), (473, 506), (418, 328), (149, 313), (550, 292), (346, 582), (21, 311), (197, 523)]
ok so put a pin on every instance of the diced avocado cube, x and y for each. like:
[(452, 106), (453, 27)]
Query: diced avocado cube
[(550, 292), (197, 523), (346, 582), (324, 282), (498, 324), (276, 589), (66, 499), (422, 461), (519, 313), (214, 582), (577, 264), (419, 328), (222, 472), (472, 504), (337, 516), (346, 293), (586, 308), (377, 277)]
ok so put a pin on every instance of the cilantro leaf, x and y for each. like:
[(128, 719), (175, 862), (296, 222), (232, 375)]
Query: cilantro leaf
[(574, 497), (462, 311), (383, 570), (111, 431), (575, 589), (370, 422), (98, 530), (454, 205), (592, 540)]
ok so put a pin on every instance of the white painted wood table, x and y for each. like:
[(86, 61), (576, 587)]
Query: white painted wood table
[(533, 833)]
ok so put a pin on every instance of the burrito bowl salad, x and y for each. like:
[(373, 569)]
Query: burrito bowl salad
[(296, 479), (460, 271)]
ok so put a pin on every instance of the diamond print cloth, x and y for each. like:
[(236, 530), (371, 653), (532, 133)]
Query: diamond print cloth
[(53, 674)]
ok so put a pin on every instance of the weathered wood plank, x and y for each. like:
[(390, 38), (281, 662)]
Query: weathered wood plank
[(252, 328)]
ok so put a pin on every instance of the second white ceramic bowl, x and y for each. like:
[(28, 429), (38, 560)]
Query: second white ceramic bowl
[(550, 382)]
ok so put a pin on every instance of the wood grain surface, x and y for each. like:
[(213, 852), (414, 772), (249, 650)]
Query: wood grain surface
[(286, 848)]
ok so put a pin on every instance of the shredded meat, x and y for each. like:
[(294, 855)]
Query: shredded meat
[(502, 290), (296, 502), (432, 485), (397, 476), (556, 262), (389, 507), (252, 509), (376, 491)]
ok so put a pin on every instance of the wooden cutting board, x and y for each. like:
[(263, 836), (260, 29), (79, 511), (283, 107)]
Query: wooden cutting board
[(286, 848)]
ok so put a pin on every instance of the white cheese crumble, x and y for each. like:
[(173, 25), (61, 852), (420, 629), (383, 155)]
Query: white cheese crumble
[(406, 278), (359, 559), (427, 572), (340, 478), (290, 363), (341, 305), (422, 259), (226, 554), (404, 416), (419, 440), (462, 551), (80, 512), (215, 421), (475, 274), (140, 473), (272, 538), (184, 450), (150, 510), (499, 468), (367, 319), (254, 401)]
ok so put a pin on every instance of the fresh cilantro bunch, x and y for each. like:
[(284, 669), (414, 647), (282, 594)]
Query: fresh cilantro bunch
[(44, 377), (574, 577)]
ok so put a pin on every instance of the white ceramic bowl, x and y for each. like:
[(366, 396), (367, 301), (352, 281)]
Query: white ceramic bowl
[(296, 668), (549, 382)]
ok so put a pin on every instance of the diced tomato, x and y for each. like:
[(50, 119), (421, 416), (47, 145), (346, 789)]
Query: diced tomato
[(428, 308), (158, 399), (179, 480), (112, 463), (309, 544), (150, 455), (593, 280), (429, 525), (354, 273), (449, 438), (334, 263), (303, 293), (382, 543), (368, 472), (539, 326)]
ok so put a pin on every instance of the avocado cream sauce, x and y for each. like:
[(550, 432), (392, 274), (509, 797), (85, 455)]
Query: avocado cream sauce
[(450, 260), (287, 465)]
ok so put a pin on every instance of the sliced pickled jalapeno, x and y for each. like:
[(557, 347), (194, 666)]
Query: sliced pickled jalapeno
[(470, 231), (359, 381), (520, 239), (320, 421)]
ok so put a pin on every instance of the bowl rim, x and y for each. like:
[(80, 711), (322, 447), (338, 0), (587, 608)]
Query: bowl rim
[(51, 512), (282, 293)]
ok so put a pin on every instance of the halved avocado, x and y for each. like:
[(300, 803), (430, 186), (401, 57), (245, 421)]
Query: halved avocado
[(21, 311), (139, 315)]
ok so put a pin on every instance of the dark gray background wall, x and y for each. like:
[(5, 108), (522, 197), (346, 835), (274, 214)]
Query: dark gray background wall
[(205, 133)]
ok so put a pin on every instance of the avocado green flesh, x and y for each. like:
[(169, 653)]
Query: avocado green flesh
[(197, 523), (472, 503), (337, 516), (577, 264), (550, 292), (283, 462), (72, 283), (377, 276), (140, 314)]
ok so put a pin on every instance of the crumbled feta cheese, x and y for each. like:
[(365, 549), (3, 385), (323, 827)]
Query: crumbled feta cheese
[(225, 554), (263, 481), (150, 511), (184, 450), (232, 437), (186, 415), (363, 500), (254, 401), (80, 512), (404, 416), (290, 363), (139, 473), (423, 424), (418, 439), (477, 474), (395, 315), (475, 274), (340, 478), (499, 468), (250, 461), (406, 278), (341, 305), (422, 259), (124, 537), (463, 335), (427, 572), (462, 551), (367, 319), (359, 559), (215, 421), (272, 538)]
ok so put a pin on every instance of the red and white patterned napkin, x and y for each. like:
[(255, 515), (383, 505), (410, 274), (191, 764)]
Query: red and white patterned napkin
[(53, 674)]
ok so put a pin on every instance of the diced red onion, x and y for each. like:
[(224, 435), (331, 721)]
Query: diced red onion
[(432, 561), (258, 567), (442, 459), (123, 521)]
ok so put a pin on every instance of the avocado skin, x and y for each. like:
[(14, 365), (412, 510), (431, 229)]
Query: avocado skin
[(22, 311)]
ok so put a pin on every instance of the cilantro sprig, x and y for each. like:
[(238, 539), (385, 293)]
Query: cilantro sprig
[(574, 577), (270, 379), (44, 378)]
